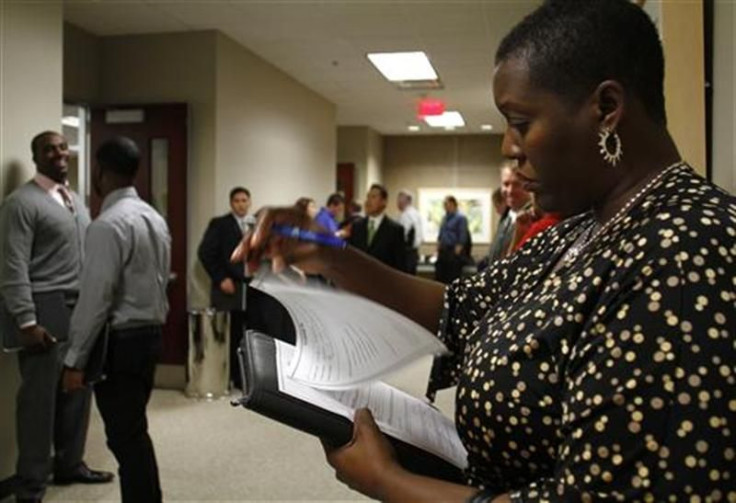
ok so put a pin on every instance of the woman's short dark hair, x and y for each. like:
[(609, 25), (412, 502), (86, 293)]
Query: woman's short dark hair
[(119, 155), (239, 190), (571, 46)]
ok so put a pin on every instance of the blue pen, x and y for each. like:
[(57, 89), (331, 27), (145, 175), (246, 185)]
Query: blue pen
[(319, 238)]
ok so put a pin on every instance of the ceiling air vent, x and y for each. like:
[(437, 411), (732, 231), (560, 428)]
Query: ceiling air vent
[(418, 85)]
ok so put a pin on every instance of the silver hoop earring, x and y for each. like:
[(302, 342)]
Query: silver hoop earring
[(614, 157)]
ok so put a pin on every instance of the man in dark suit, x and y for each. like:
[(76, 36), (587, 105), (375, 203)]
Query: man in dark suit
[(229, 281), (378, 235)]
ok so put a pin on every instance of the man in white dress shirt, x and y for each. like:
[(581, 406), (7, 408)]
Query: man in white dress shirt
[(411, 220)]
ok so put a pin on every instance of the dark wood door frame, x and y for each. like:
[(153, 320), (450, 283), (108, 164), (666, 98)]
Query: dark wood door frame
[(161, 121)]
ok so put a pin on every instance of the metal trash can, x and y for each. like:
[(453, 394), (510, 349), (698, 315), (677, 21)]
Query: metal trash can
[(208, 363)]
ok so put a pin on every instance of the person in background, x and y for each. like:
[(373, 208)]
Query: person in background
[(308, 206), (452, 243), (411, 220), (229, 289), (502, 210), (354, 213), (531, 222), (517, 199), (598, 362), (123, 291), (499, 203), (43, 225), (330, 215), (378, 235)]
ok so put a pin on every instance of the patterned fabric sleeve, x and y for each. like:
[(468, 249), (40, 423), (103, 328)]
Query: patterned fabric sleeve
[(644, 403)]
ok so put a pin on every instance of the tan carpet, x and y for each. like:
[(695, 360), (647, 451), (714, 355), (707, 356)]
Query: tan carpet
[(210, 451)]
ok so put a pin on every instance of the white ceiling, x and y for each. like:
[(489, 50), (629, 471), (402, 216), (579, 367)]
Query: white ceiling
[(323, 43)]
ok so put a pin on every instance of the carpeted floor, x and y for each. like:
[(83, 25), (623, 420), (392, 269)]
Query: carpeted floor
[(211, 451)]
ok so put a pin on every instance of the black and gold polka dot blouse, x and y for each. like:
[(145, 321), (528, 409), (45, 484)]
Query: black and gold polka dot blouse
[(613, 376)]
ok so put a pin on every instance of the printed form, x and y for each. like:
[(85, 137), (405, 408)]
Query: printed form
[(396, 413), (344, 340)]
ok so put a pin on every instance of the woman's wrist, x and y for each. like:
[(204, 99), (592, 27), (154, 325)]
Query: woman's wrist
[(392, 479)]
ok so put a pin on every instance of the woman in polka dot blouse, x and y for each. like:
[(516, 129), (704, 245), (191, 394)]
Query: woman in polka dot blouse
[(599, 361)]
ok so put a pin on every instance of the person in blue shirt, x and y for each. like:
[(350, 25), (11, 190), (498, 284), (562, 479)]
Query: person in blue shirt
[(452, 243), (330, 215)]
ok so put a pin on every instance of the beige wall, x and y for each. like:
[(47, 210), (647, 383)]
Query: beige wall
[(82, 65), (363, 147), (724, 104), (463, 161), (30, 102), (166, 68), (374, 159), (274, 136), (681, 26)]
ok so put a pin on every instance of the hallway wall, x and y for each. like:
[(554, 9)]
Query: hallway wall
[(30, 102)]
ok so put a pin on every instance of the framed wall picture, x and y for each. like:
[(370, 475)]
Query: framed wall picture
[(475, 204)]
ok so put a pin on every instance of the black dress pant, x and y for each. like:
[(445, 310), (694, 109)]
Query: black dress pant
[(449, 265), (412, 260), (122, 399), (237, 329)]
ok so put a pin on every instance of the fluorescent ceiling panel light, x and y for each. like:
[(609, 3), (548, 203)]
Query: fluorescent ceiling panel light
[(70, 121), (486, 127), (413, 128), (451, 119), (403, 66)]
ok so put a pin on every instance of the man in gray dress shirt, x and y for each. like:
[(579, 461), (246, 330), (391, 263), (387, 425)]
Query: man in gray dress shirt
[(42, 226), (123, 292)]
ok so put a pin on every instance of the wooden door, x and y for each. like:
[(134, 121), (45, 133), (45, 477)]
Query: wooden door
[(160, 131), (346, 181)]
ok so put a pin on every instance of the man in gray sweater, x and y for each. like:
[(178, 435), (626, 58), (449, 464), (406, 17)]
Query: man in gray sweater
[(42, 227)]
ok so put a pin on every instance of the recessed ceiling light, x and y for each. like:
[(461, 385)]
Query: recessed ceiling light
[(414, 128), (403, 66), (486, 127), (451, 119)]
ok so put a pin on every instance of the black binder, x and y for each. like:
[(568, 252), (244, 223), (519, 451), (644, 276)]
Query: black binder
[(257, 358), (52, 313)]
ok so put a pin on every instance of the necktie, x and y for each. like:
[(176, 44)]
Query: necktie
[(371, 230), (67, 197), (243, 226)]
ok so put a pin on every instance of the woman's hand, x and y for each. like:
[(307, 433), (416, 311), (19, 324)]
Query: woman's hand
[(283, 251), (366, 463)]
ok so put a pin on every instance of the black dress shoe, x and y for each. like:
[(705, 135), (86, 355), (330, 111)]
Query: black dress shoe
[(83, 475), (28, 500)]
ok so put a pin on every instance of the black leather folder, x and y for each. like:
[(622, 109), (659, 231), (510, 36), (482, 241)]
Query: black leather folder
[(257, 358), (52, 313)]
